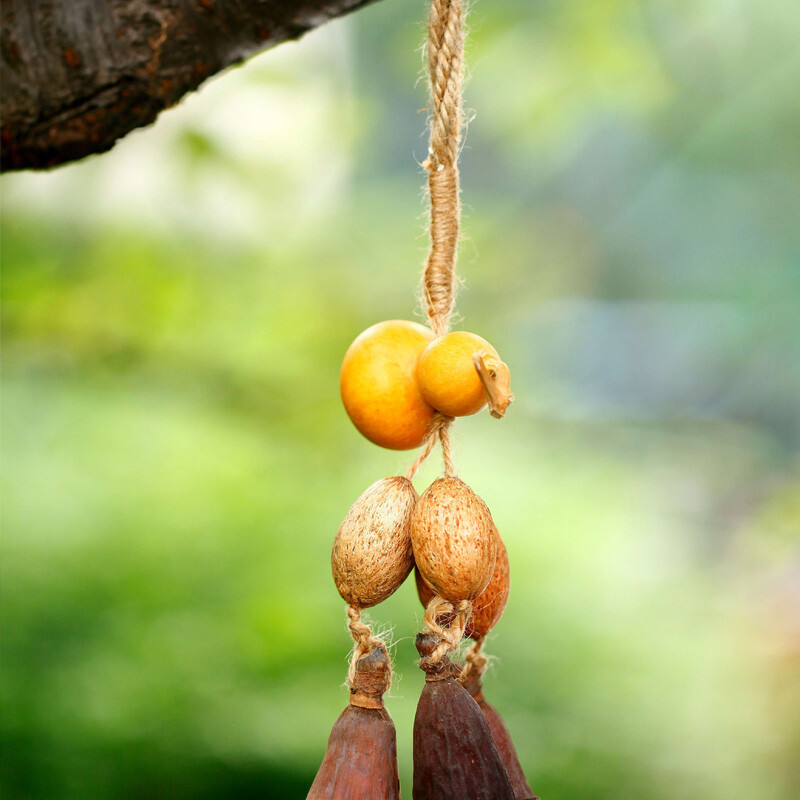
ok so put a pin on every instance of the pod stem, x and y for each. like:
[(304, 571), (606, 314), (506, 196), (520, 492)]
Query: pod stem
[(496, 380), (365, 644)]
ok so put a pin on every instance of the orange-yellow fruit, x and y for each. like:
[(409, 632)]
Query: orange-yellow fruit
[(379, 387), (447, 376), (488, 606)]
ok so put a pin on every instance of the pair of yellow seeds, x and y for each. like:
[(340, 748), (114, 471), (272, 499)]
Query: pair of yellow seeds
[(396, 375)]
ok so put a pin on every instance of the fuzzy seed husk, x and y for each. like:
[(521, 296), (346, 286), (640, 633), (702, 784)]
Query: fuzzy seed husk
[(488, 606), (372, 553), (454, 540)]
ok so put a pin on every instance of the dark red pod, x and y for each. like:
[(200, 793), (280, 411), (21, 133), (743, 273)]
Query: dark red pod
[(502, 740), (361, 760), (455, 757)]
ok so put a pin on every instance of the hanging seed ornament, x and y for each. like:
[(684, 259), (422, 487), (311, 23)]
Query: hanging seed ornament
[(403, 385)]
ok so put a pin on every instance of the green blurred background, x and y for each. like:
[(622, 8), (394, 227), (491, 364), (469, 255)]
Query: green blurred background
[(177, 460)]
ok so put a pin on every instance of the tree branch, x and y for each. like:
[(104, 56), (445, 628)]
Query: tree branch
[(79, 74)]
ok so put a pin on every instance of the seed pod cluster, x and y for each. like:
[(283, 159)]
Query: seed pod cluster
[(459, 747), (372, 554), (490, 604), (454, 540), (361, 760)]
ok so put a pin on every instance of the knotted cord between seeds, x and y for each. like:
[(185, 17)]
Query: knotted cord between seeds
[(365, 642), (457, 614)]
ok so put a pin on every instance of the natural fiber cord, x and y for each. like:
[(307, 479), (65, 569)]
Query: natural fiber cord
[(364, 643), (449, 635), (445, 50), (446, 76)]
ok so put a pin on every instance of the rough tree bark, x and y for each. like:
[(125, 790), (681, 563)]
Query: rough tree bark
[(79, 74)]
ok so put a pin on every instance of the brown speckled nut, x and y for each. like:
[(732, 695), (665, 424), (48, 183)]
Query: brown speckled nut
[(372, 551), (454, 540), (489, 605)]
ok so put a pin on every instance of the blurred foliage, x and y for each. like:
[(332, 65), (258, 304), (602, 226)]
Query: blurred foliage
[(177, 461)]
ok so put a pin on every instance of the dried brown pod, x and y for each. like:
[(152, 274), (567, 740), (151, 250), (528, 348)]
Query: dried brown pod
[(371, 554), (502, 740), (454, 539), (488, 606), (455, 757), (361, 760)]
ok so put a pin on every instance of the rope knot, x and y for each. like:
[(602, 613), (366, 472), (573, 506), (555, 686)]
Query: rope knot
[(446, 621), (365, 642)]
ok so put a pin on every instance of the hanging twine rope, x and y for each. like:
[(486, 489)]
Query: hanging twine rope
[(445, 51), (440, 426), (365, 642), (446, 73), (446, 76)]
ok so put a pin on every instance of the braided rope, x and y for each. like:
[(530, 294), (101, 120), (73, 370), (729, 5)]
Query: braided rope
[(446, 75)]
